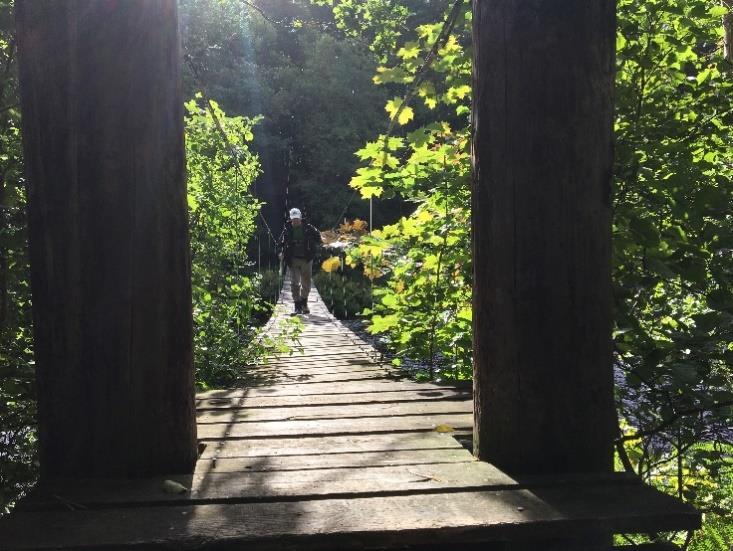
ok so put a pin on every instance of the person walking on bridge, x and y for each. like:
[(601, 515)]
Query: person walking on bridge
[(298, 244)]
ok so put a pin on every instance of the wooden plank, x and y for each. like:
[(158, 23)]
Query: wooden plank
[(324, 331), (325, 336), (319, 369), (262, 485), (330, 445), (273, 429), (328, 339), (340, 356), (350, 358), (276, 377), (341, 340), (384, 397), (332, 460), (305, 342), (344, 412), (324, 388), (323, 354), (306, 374), (210, 485), (319, 361), (306, 363), (285, 358), (359, 523)]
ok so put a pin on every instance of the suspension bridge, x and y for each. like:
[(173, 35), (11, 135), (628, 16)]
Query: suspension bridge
[(328, 448)]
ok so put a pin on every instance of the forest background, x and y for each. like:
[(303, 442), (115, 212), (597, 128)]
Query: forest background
[(282, 94)]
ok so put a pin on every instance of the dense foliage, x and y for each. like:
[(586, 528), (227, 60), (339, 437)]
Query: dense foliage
[(673, 230), (423, 261), (226, 298), (288, 62), (17, 405), (321, 72), (673, 245)]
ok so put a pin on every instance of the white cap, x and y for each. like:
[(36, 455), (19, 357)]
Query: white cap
[(295, 213)]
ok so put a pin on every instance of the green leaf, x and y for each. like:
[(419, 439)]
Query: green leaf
[(390, 301), (380, 324), (718, 11), (646, 230), (620, 41)]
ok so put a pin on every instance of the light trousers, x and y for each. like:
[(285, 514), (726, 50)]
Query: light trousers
[(300, 278)]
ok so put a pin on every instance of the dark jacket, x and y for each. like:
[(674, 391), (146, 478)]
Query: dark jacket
[(311, 236)]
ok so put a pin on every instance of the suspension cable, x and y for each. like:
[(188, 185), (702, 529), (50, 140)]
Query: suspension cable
[(232, 150)]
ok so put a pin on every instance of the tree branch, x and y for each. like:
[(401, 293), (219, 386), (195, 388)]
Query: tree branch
[(672, 420), (422, 71), (284, 25)]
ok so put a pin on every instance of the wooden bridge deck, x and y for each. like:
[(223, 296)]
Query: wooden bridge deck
[(329, 449)]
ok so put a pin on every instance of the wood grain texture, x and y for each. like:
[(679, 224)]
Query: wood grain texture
[(374, 398), (383, 385), (286, 378), (359, 523), (345, 412), (333, 460), (321, 427), (325, 445), (542, 160), (271, 485), (297, 370), (110, 267)]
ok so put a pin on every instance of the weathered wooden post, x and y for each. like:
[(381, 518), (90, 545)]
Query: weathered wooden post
[(542, 116), (104, 154)]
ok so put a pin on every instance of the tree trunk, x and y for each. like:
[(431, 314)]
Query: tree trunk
[(110, 270), (542, 116)]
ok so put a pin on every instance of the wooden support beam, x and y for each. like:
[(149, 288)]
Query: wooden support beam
[(104, 155), (542, 117)]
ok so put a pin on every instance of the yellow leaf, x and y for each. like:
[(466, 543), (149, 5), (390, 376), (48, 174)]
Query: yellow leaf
[(411, 50), (392, 106), (444, 428), (406, 115), (371, 191), (331, 264)]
